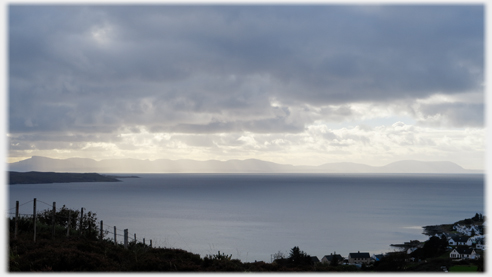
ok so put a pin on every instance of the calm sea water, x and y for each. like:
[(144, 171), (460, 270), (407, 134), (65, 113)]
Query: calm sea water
[(253, 216)]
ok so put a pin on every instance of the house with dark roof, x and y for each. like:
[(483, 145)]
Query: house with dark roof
[(314, 260), (359, 258), (460, 240), (329, 258), (463, 253)]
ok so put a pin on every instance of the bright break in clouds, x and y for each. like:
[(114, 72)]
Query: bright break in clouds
[(298, 84)]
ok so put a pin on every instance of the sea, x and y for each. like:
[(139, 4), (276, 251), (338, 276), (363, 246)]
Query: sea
[(254, 216)]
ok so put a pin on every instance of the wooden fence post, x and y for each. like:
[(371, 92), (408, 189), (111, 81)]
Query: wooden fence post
[(16, 219), (53, 221), (34, 218), (101, 231), (135, 238), (115, 241), (125, 238), (69, 222), (150, 243), (81, 216)]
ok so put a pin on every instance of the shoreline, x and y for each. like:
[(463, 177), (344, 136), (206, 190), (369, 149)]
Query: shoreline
[(35, 177)]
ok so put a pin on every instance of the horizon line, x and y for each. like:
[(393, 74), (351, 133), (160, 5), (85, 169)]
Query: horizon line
[(286, 164)]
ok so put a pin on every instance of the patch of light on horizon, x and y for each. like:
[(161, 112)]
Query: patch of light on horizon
[(412, 227), (17, 159)]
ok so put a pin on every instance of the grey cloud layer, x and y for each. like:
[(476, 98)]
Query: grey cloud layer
[(210, 69)]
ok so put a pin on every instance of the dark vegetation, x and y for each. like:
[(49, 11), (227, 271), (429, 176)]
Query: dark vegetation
[(402, 262), (85, 251), (35, 177)]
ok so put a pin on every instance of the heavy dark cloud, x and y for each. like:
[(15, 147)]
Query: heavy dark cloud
[(235, 68)]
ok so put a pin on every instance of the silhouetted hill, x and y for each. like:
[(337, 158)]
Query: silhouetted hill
[(232, 166), (411, 166), (347, 168), (34, 177)]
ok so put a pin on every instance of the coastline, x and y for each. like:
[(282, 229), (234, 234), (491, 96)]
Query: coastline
[(34, 177)]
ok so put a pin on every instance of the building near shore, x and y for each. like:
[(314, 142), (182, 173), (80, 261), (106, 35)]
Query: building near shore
[(359, 258)]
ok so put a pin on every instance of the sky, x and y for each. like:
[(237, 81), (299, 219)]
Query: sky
[(291, 84)]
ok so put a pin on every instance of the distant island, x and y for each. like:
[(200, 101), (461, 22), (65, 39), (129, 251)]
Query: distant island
[(131, 166), (35, 177)]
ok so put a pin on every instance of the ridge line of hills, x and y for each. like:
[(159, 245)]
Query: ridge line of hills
[(37, 163)]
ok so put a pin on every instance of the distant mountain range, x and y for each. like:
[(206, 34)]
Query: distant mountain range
[(37, 163)]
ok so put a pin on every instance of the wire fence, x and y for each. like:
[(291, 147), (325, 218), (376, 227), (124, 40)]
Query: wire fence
[(79, 221)]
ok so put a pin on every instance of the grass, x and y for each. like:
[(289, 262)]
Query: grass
[(446, 254), (463, 268)]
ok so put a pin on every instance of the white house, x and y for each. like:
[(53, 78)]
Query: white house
[(467, 230), (452, 242), (480, 244), (463, 253), (359, 258), (329, 258), (460, 240)]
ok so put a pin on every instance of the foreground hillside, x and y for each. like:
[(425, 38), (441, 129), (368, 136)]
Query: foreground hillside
[(87, 253), (64, 247)]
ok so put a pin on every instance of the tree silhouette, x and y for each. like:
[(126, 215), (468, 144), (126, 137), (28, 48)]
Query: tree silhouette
[(432, 248), (395, 261), (298, 257), (476, 217), (334, 260)]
